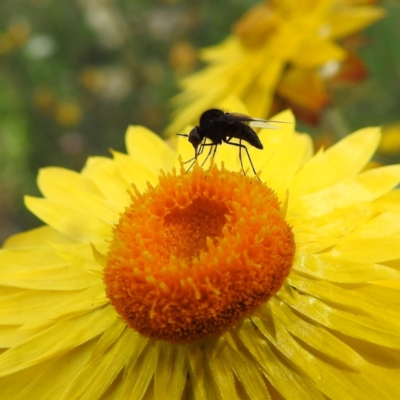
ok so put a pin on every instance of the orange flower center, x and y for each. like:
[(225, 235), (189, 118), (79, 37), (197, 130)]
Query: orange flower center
[(195, 254)]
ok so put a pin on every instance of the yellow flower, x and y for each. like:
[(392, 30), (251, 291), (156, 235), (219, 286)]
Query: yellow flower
[(199, 260), (280, 53)]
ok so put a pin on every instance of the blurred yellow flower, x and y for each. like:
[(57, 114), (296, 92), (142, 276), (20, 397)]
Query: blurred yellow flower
[(44, 100), (192, 249), (281, 54), (19, 32), (68, 113), (6, 44), (390, 143), (182, 57), (15, 37), (92, 79)]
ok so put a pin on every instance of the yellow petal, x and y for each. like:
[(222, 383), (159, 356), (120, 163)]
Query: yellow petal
[(341, 161), (273, 139), (203, 384), (272, 330), (147, 148), (222, 51), (392, 284), (74, 305), (316, 336), (352, 323), (276, 370), (248, 375), (103, 174), (385, 224), (20, 306), (71, 190), (348, 20), (229, 155), (378, 249), (117, 330), (288, 159), (390, 201), (36, 237), (347, 372), (221, 370), (42, 269), (47, 344), (259, 94), (317, 51), (365, 187), (334, 269), (47, 379), (136, 346), (76, 224), (138, 375), (368, 298), (97, 376), (133, 171), (258, 101), (329, 227), (11, 335), (233, 104), (171, 372), (52, 182), (81, 254), (184, 149)]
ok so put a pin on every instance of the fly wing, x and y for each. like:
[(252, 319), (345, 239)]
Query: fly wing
[(262, 123), (253, 122)]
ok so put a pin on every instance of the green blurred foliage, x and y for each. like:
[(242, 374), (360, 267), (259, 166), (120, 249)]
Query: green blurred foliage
[(74, 75)]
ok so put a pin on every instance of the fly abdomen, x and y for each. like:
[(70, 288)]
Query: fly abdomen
[(247, 134)]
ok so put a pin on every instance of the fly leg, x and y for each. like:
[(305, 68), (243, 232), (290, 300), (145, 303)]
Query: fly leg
[(213, 150), (242, 146)]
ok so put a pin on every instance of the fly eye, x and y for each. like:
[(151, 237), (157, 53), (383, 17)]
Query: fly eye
[(194, 137)]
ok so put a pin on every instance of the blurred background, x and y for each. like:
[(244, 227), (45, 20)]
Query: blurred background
[(74, 75)]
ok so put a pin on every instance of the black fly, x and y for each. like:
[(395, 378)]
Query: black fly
[(221, 127)]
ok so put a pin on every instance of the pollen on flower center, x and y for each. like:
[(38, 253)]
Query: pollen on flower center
[(201, 219), (195, 254)]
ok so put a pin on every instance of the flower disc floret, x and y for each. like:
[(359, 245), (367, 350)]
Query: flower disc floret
[(193, 255)]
